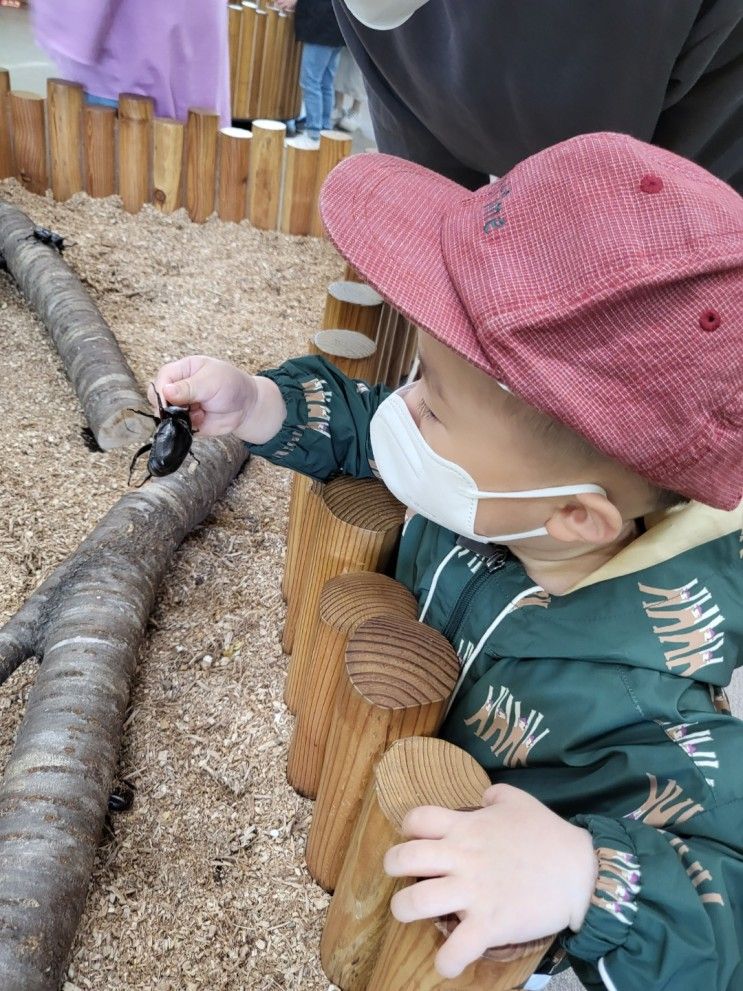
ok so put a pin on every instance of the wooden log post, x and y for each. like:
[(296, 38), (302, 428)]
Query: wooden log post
[(201, 163), (64, 112), (385, 335), (351, 352), (334, 147), (270, 77), (353, 306), (87, 621), (29, 140), (399, 675), (407, 954), (392, 347), (287, 91), (253, 107), (403, 351), (241, 92), (167, 164), (350, 274), (7, 163), (415, 771), (264, 183), (299, 549), (299, 187), (234, 167), (346, 602), (100, 150), (234, 26), (135, 150), (357, 528), (93, 361)]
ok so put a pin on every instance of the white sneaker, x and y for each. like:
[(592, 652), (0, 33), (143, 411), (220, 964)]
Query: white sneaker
[(305, 141), (350, 122)]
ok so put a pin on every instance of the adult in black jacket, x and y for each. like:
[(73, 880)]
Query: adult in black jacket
[(315, 23), (316, 26), (470, 87)]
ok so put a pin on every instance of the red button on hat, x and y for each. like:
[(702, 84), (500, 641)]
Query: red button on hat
[(651, 184), (710, 320)]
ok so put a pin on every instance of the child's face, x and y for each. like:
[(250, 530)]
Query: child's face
[(465, 417)]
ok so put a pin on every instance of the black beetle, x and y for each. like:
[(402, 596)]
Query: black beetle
[(170, 443), (46, 236), (122, 798)]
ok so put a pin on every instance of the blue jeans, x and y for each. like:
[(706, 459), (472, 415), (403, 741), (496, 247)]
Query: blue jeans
[(100, 101), (316, 76)]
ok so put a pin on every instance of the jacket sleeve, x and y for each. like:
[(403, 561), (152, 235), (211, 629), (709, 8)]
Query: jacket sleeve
[(326, 430), (702, 118), (667, 909)]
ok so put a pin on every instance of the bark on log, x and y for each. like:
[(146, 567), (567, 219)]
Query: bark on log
[(87, 622), (97, 369)]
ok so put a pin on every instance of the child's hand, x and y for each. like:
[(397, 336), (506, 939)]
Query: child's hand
[(221, 398), (512, 871)]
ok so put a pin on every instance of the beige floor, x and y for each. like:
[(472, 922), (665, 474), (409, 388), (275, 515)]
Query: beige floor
[(29, 66)]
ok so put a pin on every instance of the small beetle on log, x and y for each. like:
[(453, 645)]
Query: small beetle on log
[(170, 443), (46, 236)]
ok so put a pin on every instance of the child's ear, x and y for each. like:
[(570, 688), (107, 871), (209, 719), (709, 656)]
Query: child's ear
[(590, 518)]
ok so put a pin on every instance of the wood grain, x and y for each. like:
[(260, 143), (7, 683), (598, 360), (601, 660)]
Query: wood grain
[(399, 675), (346, 601)]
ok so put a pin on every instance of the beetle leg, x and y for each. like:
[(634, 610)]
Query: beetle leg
[(145, 479), (151, 416), (195, 458), (137, 456)]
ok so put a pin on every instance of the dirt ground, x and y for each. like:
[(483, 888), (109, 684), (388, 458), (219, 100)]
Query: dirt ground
[(202, 885)]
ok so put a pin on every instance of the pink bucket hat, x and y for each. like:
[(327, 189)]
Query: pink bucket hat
[(601, 281)]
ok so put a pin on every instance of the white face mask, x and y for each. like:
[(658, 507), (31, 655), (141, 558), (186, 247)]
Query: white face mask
[(383, 14), (438, 489)]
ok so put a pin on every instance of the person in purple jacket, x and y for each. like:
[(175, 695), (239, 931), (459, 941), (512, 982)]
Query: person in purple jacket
[(175, 52)]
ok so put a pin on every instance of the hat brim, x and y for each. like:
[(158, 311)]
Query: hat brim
[(385, 216)]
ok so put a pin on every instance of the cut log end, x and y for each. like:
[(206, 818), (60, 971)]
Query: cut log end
[(124, 429)]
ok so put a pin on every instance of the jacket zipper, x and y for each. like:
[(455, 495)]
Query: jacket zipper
[(470, 590)]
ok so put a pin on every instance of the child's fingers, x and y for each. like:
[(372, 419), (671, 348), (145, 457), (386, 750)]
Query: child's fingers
[(467, 943), (428, 822), (419, 858), (170, 379), (429, 899)]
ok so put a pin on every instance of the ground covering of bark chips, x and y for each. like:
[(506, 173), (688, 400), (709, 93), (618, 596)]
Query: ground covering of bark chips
[(202, 885)]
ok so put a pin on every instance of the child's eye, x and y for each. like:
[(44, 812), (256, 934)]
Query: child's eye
[(425, 411)]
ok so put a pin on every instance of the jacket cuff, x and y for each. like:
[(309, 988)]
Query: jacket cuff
[(294, 387), (613, 907)]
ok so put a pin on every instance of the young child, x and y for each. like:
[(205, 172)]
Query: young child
[(573, 452)]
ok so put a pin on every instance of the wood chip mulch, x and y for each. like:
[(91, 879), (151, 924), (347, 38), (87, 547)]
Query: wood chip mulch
[(202, 884)]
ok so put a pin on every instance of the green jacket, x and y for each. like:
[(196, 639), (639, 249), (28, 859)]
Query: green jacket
[(606, 703)]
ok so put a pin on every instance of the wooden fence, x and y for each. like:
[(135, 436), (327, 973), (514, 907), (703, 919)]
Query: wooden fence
[(264, 62), (62, 144)]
